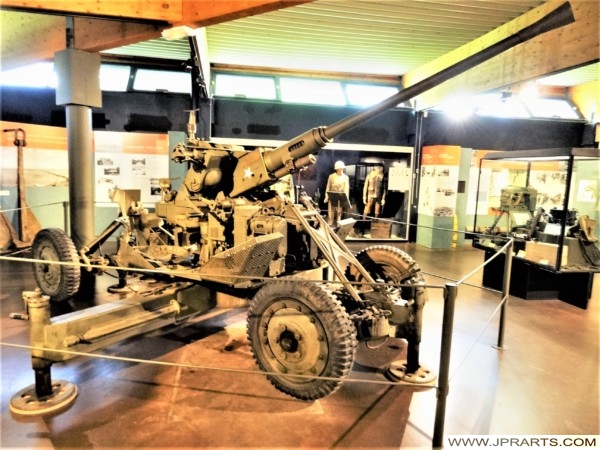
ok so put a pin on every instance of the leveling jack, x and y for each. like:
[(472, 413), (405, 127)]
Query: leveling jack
[(45, 395), (71, 335)]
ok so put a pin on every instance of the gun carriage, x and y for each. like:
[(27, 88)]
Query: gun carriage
[(223, 230)]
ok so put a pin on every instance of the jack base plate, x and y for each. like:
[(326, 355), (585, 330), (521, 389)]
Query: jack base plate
[(26, 402), (397, 372)]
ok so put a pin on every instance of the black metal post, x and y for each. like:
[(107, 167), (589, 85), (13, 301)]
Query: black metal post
[(43, 379), (412, 357), (66, 216), (450, 293), (505, 291)]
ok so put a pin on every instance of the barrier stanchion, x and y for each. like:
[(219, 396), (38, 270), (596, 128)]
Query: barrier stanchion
[(505, 292), (66, 215), (450, 293)]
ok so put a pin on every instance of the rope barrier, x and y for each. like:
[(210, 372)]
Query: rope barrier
[(470, 274), (169, 272), (476, 340), (31, 207), (183, 273), (201, 367)]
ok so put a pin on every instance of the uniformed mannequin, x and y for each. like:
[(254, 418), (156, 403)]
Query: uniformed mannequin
[(337, 182), (373, 192)]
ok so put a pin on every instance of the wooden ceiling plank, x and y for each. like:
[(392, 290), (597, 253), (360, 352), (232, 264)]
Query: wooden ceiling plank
[(561, 49), (29, 38), (163, 11), (26, 37), (94, 35), (201, 13)]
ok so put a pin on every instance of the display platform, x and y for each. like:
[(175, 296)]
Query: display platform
[(546, 202), (532, 281)]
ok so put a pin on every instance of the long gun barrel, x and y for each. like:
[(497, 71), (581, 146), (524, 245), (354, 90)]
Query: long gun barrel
[(257, 169)]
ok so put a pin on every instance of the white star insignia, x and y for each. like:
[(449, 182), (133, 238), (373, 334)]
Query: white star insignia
[(248, 173)]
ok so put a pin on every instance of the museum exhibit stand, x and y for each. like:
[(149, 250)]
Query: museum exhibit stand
[(547, 201), (442, 195), (380, 184)]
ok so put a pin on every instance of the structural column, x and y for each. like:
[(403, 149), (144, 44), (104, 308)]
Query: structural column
[(81, 173), (79, 90)]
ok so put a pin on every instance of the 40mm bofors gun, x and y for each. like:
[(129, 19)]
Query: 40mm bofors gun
[(225, 231)]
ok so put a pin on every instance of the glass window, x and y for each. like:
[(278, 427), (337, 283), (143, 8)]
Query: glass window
[(499, 105), (34, 75), (322, 92), (245, 86), (161, 80), (368, 94), (114, 78), (551, 108)]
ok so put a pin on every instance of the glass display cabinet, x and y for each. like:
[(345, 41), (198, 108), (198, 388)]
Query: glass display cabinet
[(547, 200)]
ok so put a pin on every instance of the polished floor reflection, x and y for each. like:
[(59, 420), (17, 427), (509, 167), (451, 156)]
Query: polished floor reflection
[(545, 380)]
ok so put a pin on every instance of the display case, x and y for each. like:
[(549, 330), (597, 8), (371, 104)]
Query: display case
[(387, 218), (547, 200)]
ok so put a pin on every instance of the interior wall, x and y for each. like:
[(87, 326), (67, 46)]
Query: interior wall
[(491, 133), (121, 111), (246, 119), (278, 121), (239, 118)]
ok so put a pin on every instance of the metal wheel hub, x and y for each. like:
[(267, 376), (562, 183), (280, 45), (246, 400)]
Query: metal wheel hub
[(50, 273), (295, 340)]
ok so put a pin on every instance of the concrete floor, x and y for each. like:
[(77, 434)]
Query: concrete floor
[(545, 382)]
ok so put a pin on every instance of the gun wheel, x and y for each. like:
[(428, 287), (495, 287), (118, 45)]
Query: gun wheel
[(386, 263), (298, 331), (58, 281)]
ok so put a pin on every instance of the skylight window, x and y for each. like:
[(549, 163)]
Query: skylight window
[(114, 77), (245, 86), (368, 94), (506, 105), (320, 92), (162, 80), (501, 105), (550, 108), (38, 75)]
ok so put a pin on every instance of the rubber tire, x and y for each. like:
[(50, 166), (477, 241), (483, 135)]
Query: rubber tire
[(59, 282), (389, 264), (326, 344)]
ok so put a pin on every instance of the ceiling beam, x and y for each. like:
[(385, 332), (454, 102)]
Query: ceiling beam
[(571, 46), (140, 10), (94, 35), (201, 13), (179, 12), (27, 38), (34, 30)]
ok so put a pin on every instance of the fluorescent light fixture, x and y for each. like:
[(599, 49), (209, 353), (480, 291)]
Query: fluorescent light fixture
[(176, 33)]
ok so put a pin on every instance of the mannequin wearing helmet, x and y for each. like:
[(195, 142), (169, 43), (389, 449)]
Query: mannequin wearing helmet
[(337, 182)]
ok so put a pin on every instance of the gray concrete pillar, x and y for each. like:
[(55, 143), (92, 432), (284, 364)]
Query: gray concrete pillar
[(81, 173), (79, 90)]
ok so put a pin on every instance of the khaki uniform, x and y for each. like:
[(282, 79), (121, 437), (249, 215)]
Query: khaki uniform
[(373, 193), (337, 182)]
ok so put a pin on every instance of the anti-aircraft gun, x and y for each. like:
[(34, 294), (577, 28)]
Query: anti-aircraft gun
[(223, 230)]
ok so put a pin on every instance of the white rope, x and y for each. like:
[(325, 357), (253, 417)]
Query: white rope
[(185, 274), (31, 207), (202, 367)]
